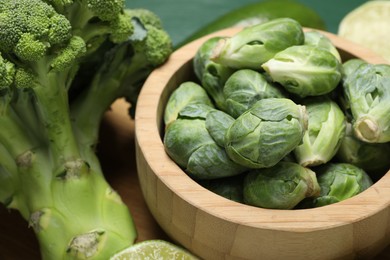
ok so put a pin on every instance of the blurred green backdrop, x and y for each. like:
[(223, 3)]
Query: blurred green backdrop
[(181, 18)]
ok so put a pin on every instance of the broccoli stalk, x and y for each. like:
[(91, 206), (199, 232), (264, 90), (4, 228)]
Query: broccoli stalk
[(50, 116), (122, 74)]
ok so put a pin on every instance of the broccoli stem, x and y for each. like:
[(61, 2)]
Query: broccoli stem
[(79, 16), (7, 163), (86, 217), (120, 74), (26, 111), (63, 194), (52, 97), (14, 140), (8, 173)]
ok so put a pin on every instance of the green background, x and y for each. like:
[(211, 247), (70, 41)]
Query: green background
[(181, 18)]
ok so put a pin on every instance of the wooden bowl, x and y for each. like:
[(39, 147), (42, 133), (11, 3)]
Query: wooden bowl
[(216, 228)]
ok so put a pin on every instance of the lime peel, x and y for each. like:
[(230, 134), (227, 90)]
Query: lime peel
[(154, 250)]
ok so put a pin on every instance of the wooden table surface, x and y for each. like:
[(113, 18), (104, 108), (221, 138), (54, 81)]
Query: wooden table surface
[(117, 154)]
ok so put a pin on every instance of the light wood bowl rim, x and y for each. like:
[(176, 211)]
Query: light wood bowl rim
[(368, 203)]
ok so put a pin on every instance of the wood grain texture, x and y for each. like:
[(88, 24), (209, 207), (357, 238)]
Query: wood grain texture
[(216, 228)]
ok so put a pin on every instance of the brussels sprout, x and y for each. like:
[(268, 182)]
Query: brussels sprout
[(266, 132), (187, 93), (211, 75), (371, 157), (326, 128), (368, 93), (305, 70), (229, 187), (256, 44), (282, 186), (339, 181), (315, 38), (194, 142), (350, 66), (244, 88)]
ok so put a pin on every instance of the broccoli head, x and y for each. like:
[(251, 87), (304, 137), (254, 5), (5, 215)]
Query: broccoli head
[(35, 29), (96, 20)]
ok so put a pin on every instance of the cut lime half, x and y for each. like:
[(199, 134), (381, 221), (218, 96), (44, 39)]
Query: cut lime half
[(154, 250), (369, 26)]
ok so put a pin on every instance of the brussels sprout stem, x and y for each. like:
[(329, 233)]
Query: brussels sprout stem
[(367, 129)]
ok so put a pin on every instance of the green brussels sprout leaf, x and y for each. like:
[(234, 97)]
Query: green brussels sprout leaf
[(326, 128), (266, 133), (245, 87), (305, 70), (256, 44), (282, 186), (367, 93), (211, 75), (187, 93)]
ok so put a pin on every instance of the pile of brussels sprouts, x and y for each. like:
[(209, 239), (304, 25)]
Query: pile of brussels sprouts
[(277, 120)]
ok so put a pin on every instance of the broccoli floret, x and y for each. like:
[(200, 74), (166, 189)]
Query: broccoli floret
[(62, 64), (34, 29), (156, 46), (67, 55), (146, 17), (7, 73), (106, 10), (119, 72), (96, 20)]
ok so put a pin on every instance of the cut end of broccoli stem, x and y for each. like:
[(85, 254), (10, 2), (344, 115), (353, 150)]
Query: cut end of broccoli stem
[(36, 220), (85, 245), (367, 129), (25, 160), (73, 169)]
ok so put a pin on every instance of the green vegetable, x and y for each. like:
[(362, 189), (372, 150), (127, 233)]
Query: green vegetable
[(338, 182), (367, 93), (254, 45), (373, 158), (266, 132), (228, 187), (260, 12), (305, 70), (244, 87), (317, 39), (326, 128), (275, 135), (282, 186), (187, 93), (350, 66), (62, 64), (211, 75), (195, 142)]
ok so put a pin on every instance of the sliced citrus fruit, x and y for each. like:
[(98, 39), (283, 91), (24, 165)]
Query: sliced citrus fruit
[(369, 26), (154, 250)]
